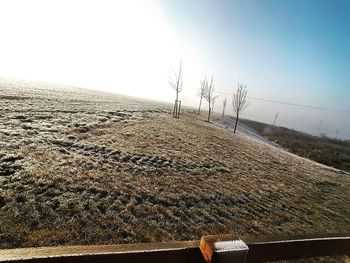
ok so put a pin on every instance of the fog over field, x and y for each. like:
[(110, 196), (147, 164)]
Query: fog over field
[(289, 52), (331, 122)]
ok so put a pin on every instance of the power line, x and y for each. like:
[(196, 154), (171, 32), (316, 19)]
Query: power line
[(290, 103)]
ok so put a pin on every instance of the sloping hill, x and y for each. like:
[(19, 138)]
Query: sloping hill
[(328, 151), (79, 169)]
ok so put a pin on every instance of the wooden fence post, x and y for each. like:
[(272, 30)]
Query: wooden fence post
[(223, 249)]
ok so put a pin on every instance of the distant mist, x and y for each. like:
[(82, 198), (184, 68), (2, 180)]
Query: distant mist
[(334, 124)]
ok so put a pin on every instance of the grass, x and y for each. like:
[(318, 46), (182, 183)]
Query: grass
[(328, 151), (101, 171)]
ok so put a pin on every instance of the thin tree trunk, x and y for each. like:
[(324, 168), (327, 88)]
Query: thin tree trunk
[(209, 114), (176, 105), (179, 105), (176, 109), (200, 104), (236, 123)]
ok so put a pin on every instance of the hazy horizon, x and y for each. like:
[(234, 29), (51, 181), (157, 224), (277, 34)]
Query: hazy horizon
[(258, 110), (291, 51)]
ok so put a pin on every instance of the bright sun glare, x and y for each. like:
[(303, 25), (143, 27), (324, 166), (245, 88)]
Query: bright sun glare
[(119, 46)]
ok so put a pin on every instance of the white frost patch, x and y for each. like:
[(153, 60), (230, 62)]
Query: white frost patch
[(233, 245)]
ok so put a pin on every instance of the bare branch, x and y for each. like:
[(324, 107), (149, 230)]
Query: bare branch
[(239, 101), (203, 87), (202, 90), (208, 95), (176, 81)]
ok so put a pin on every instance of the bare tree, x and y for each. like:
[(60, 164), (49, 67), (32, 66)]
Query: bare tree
[(201, 93), (176, 83), (224, 103), (239, 102), (209, 95)]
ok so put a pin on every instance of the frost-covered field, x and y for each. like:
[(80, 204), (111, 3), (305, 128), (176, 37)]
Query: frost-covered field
[(34, 114), (81, 167)]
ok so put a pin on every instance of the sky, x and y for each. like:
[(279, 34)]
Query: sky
[(289, 51)]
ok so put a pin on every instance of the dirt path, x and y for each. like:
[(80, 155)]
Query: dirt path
[(243, 129), (229, 123)]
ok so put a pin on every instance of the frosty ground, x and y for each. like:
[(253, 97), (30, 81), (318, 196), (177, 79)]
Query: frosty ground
[(81, 167)]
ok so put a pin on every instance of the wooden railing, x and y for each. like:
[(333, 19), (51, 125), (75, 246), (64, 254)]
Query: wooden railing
[(216, 249)]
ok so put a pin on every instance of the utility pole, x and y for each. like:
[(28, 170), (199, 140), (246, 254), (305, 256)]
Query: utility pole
[(319, 127), (274, 122)]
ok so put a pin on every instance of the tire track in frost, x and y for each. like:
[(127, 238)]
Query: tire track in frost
[(105, 153)]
